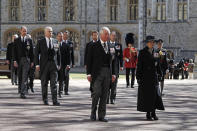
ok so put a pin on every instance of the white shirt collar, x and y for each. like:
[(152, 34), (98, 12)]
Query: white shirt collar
[(102, 42), (112, 42), (47, 40), (23, 37)]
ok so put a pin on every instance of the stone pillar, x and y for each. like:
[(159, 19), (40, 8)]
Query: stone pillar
[(195, 67)]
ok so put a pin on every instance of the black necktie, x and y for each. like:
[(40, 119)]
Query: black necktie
[(49, 44), (23, 39), (105, 47)]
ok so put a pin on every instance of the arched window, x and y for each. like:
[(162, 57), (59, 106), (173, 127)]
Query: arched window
[(37, 34), (133, 9), (69, 10), (14, 10), (41, 10), (113, 10), (8, 36)]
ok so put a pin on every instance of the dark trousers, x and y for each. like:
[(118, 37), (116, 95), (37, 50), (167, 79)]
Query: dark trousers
[(100, 90), (63, 80), (14, 74), (132, 70), (113, 89), (49, 74), (67, 73), (31, 76), (23, 69)]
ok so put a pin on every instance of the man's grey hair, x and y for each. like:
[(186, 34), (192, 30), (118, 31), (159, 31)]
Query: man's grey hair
[(23, 27), (48, 28), (104, 28)]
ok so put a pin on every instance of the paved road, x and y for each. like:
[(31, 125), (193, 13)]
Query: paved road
[(30, 115)]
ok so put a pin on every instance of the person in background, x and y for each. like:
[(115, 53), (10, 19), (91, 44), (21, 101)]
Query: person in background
[(130, 59), (9, 60), (163, 62)]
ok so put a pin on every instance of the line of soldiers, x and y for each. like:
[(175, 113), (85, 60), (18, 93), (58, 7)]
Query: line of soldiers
[(103, 59)]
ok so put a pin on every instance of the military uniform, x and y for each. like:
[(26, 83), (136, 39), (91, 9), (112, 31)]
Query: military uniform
[(164, 65), (117, 59)]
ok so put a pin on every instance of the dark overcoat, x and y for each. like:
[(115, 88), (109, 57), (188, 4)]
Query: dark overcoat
[(148, 70)]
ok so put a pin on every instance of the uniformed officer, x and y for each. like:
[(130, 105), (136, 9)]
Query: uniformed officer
[(23, 59), (117, 59), (71, 48), (163, 61)]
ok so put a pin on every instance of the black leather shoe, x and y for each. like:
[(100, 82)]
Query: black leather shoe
[(32, 89), (112, 102), (23, 96), (66, 93), (60, 95), (127, 86), (93, 117), (154, 116), (56, 103), (103, 120), (132, 86), (148, 117), (46, 103)]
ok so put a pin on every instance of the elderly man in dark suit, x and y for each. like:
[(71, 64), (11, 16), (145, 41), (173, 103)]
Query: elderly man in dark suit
[(100, 71), (47, 60), (23, 59)]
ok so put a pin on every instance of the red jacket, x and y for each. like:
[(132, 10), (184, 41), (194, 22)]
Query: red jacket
[(130, 57)]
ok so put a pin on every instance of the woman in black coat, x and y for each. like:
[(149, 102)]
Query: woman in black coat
[(148, 73)]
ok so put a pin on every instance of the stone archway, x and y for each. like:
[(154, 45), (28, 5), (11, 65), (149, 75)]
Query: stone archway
[(37, 34), (8, 36)]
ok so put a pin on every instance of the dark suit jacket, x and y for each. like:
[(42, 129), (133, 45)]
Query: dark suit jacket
[(20, 49), (86, 51), (71, 47), (41, 55), (95, 60), (65, 55), (9, 51), (118, 56)]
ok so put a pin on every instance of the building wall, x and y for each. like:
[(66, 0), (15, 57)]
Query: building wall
[(174, 34)]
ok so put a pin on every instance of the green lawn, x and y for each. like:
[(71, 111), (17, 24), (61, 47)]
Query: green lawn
[(84, 76)]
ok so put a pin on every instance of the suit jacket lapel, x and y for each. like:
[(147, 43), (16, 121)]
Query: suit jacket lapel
[(100, 46)]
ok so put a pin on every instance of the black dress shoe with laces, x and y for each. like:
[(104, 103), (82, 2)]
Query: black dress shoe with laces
[(154, 116), (103, 120), (148, 116), (93, 117), (45, 102), (23, 96), (56, 103)]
